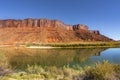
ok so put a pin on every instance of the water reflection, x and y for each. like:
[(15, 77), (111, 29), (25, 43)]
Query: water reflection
[(21, 57), (112, 55)]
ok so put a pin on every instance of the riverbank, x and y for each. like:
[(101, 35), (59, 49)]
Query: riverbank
[(66, 45), (76, 45)]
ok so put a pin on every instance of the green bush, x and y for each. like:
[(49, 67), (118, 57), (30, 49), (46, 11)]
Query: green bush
[(34, 69), (100, 71), (28, 45)]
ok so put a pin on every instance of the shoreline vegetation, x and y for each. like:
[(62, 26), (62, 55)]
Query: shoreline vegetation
[(75, 45), (65, 45), (99, 71)]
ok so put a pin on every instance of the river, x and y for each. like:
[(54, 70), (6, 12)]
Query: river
[(20, 57)]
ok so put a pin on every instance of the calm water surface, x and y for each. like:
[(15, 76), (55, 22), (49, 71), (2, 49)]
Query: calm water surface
[(21, 57), (111, 54)]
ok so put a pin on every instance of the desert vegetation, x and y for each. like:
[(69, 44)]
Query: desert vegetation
[(4, 69), (79, 45), (99, 71)]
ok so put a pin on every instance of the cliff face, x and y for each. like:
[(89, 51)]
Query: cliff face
[(44, 30), (40, 23)]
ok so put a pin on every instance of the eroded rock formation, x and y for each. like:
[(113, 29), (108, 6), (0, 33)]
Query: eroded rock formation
[(44, 30), (40, 23)]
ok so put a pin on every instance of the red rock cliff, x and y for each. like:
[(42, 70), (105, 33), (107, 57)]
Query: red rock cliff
[(40, 23), (44, 30)]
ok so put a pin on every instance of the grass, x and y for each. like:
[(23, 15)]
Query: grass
[(3, 66), (78, 44), (100, 71)]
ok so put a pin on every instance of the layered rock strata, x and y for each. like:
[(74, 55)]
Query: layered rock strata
[(45, 31)]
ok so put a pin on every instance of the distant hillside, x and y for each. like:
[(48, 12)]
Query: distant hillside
[(45, 31), (118, 40)]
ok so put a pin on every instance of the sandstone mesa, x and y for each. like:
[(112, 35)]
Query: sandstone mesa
[(45, 31)]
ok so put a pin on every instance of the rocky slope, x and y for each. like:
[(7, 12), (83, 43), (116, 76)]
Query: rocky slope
[(45, 31)]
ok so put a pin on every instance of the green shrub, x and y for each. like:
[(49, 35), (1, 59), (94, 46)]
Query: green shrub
[(35, 69), (100, 71), (28, 45)]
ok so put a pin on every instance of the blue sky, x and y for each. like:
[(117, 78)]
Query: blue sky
[(103, 15)]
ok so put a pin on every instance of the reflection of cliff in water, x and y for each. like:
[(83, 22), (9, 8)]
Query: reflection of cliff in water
[(21, 57), (112, 55)]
